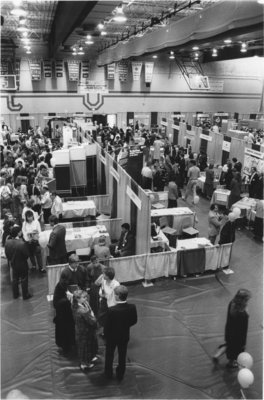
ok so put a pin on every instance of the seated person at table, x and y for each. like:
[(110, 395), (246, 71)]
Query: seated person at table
[(101, 250), (57, 245), (126, 243), (75, 274)]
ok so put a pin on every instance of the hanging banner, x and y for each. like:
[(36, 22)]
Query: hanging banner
[(226, 146), (59, 68), (35, 69), (85, 69), (197, 82), (47, 68), (164, 123), (136, 70), (93, 87), (73, 69), (123, 70), (208, 138), (132, 195), (149, 67), (111, 71)]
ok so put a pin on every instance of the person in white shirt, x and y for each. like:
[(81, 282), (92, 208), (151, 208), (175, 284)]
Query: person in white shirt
[(29, 207), (31, 230), (147, 176), (56, 208), (46, 203), (193, 175)]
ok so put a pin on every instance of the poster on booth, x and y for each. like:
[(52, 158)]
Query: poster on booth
[(253, 158), (136, 70), (67, 136)]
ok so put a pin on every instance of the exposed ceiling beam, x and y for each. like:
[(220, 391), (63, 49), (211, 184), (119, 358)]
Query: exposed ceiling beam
[(69, 15)]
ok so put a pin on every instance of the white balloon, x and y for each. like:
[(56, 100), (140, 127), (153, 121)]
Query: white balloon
[(196, 199), (245, 378), (245, 360), (231, 217), (237, 211)]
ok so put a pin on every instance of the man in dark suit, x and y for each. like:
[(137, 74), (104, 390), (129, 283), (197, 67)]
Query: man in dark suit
[(253, 183), (126, 243), (56, 245), (17, 253), (119, 319)]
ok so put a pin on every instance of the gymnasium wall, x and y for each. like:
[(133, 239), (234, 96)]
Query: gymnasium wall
[(241, 80)]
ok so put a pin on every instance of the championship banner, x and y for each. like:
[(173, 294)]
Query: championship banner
[(123, 70), (59, 68), (85, 69), (253, 158), (111, 71), (73, 69), (35, 69), (47, 68), (149, 67), (136, 70)]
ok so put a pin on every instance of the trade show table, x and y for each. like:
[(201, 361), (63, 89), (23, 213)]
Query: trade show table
[(180, 215), (73, 209), (201, 182), (247, 206), (221, 196)]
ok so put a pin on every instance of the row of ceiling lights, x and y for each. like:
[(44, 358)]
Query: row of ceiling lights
[(21, 14)]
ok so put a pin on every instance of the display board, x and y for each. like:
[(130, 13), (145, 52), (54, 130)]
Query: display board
[(132, 162), (253, 158)]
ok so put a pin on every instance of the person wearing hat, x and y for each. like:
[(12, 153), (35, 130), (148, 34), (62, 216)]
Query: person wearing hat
[(46, 203), (101, 250)]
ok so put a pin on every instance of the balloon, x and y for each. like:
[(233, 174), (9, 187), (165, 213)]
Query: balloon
[(152, 198), (231, 217), (245, 378), (196, 199), (245, 360), (236, 211)]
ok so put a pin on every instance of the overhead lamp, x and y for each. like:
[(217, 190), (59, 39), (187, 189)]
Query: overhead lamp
[(103, 33), (74, 53), (195, 48), (25, 40), (80, 53), (154, 56), (25, 34), (89, 42), (227, 41), (261, 1), (80, 48), (22, 20), (214, 53), (22, 29), (100, 25), (18, 12), (74, 49), (243, 48), (171, 57), (120, 16), (28, 52), (27, 47)]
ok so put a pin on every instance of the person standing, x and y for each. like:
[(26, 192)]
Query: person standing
[(119, 319), (46, 203), (228, 230), (235, 188), (94, 270), (85, 330), (16, 251), (209, 181), (193, 175), (214, 223), (173, 191), (147, 176), (75, 273), (31, 230), (236, 328), (253, 183), (57, 245)]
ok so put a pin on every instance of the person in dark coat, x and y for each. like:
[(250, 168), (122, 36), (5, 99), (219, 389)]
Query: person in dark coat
[(228, 231), (126, 243), (64, 323), (236, 328), (253, 183), (94, 270), (235, 188), (75, 273), (85, 330), (260, 190), (209, 181), (17, 253), (57, 245), (119, 319)]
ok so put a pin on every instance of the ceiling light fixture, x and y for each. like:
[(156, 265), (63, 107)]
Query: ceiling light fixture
[(195, 48), (103, 33), (100, 25), (25, 34), (80, 48), (171, 57), (89, 42), (22, 20), (120, 16), (154, 56), (28, 52), (27, 47), (80, 53), (22, 29), (227, 41), (25, 40), (261, 1), (18, 12), (89, 37), (243, 48), (214, 53)]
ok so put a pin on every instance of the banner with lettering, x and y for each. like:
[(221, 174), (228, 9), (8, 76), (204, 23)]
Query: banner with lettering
[(85, 69), (149, 67), (136, 70), (123, 70), (59, 68), (111, 71), (73, 70), (47, 68), (35, 69)]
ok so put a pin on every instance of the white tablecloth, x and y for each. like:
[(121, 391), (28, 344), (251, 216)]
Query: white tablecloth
[(161, 241), (193, 243), (73, 209), (178, 214), (221, 196), (246, 205), (78, 238), (201, 182)]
